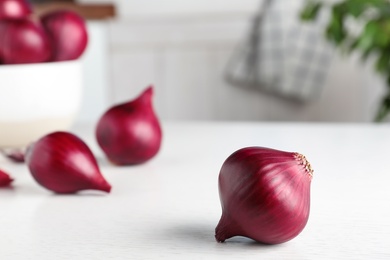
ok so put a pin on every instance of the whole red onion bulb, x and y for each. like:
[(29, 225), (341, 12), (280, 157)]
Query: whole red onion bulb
[(23, 41), (5, 179), (14, 9), (63, 163), (68, 33), (265, 195), (130, 133)]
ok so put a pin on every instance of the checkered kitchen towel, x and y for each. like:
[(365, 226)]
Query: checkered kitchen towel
[(283, 55)]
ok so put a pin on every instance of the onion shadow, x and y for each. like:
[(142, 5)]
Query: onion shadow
[(204, 234)]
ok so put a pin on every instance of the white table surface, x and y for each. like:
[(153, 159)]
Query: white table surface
[(168, 208)]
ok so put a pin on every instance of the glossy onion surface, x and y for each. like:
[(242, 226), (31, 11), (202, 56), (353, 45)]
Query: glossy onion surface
[(23, 41), (14, 9), (5, 179), (265, 195), (68, 33), (63, 163), (130, 133)]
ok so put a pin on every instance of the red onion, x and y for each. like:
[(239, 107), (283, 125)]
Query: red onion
[(265, 195), (14, 9), (23, 41), (15, 155), (2, 35), (68, 33), (130, 133), (5, 179), (63, 163)]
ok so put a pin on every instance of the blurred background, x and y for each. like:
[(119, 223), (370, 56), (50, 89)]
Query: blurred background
[(185, 49)]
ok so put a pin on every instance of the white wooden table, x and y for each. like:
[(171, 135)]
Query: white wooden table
[(169, 207)]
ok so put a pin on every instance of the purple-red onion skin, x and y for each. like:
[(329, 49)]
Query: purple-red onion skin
[(68, 33), (130, 133), (265, 195), (23, 41), (5, 179), (15, 155), (2, 35), (14, 9), (63, 163)]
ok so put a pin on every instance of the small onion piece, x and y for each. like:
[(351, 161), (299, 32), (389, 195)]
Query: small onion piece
[(5, 179), (265, 195), (23, 41), (68, 34), (63, 163), (14, 9), (14, 154)]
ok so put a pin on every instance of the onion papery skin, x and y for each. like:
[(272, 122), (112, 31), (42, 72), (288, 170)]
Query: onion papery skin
[(14, 155), (265, 195), (68, 33), (23, 41), (130, 133), (14, 9), (5, 179), (63, 163)]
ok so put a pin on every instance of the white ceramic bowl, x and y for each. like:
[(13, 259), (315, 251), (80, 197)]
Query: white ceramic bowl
[(36, 99)]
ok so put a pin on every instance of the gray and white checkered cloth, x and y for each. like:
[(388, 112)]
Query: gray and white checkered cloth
[(283, 55)]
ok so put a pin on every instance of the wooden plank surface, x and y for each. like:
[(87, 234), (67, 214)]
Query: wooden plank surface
[(88, 11)]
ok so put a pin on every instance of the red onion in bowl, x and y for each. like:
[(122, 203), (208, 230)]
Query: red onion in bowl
[(130, 133), (63, 163), (68, 33), (14, 9), (2, 35), (23, 41), (5, 179), (265, 195)]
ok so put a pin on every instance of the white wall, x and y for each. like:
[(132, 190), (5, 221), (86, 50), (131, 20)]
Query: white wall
[(183, 47)]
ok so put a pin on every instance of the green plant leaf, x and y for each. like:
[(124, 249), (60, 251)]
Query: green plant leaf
[(311, 10), (384, 109), (368, 37), (366, 53), (355, 8), (335, 30), (374, 37), (382, 35), (353, 45), (383, 63), (358, 7)]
